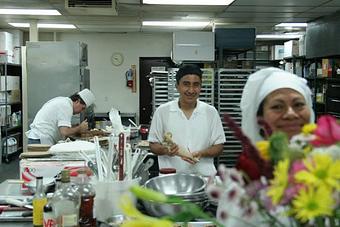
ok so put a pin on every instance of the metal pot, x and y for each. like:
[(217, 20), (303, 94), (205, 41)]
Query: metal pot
[(189, 187), (48, 183)]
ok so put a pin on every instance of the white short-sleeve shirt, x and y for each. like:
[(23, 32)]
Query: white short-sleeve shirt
[(202, 130), (55, 113)]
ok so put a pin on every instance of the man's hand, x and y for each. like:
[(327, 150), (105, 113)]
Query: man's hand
[(190, 160), (172, 150), (83, 127)]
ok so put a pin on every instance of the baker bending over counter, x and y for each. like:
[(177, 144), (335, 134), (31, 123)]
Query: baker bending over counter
[(53, 121)]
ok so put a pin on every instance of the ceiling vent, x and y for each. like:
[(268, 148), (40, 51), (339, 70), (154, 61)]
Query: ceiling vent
[(91, 7)]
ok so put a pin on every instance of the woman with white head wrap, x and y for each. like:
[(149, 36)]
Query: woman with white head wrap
[(259, 87)]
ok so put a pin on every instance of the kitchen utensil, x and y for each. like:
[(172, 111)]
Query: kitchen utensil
[(93, 167), (18, 203), (121, 157), (148, 164)]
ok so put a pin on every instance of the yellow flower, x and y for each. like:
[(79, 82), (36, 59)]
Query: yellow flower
[(137, 218), (309, 128), (263, 148), (321, 170), (313, 202), (307, 149), (279, 182), (148, 194)]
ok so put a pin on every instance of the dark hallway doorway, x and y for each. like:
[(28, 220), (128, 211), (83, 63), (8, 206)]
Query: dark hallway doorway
[(145, 89)]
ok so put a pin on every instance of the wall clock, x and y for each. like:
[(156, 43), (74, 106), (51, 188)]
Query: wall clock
[(117, 59)]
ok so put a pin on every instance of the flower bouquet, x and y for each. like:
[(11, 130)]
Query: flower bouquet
[(277, 183), (303, 189)]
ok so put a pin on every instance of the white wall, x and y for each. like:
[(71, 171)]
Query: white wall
[(108, 81)]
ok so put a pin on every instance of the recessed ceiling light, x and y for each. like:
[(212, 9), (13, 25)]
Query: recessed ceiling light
[(300, 25), (176, 23), (27, 25), (188, 2), (29, 12)]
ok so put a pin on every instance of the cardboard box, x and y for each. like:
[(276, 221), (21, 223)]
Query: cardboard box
[(31, 168), (302, 46), (277, 52), (326, 67), (13, 83), (6, 45), (291, 48)]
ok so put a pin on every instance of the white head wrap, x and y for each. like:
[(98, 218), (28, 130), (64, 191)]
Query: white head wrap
[(258, 86)]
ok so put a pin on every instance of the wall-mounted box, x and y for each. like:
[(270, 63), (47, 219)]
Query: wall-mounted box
[(291, 48), (193, 46)]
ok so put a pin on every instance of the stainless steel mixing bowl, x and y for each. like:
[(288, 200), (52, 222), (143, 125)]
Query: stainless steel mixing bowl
[(189, 187), (177, 184)]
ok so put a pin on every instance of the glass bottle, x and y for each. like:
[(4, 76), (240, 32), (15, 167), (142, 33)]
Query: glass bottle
[(49, 218), (39, 201), (65, 203), (87, 194)]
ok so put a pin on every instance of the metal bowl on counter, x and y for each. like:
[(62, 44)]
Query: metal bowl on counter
[(177, 184), (189, 187)]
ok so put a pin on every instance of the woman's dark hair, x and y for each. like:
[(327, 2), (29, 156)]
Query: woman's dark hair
[(75, 97), (259, 112)]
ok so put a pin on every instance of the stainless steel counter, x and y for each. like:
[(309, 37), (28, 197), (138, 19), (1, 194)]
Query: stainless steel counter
[(13, 190)]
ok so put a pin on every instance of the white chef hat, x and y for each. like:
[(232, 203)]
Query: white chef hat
[(87, 96), (258, 86)]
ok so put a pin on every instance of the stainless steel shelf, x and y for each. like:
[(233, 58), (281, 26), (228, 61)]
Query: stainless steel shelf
[(230, 84), (164, 85)]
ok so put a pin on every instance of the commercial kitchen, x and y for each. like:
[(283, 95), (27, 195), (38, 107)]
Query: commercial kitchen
[(127, 53)]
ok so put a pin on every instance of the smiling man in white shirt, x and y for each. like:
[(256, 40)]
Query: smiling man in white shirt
[(195, 127)]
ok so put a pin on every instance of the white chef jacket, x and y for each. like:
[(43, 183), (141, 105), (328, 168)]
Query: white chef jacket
[(202, 130), (55, 113)]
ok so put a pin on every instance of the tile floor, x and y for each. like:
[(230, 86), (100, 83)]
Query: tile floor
[(9, 170)]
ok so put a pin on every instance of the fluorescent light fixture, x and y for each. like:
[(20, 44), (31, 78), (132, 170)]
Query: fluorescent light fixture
[(71, 26), (189, 2), (29, 12), (176, 23), (279, 36), (20, 25), (300, 25), (27, 25)]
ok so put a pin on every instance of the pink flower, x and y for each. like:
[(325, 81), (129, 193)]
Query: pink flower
[(327, 131), (296, 166)]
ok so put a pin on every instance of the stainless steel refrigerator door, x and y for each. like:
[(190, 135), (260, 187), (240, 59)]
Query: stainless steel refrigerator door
[(53, 69)]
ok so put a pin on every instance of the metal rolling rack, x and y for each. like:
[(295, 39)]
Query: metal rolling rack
[(164, 87), (159, 88), (230, 84)]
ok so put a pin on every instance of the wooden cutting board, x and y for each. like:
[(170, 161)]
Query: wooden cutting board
[(35, 154), (38, 147)]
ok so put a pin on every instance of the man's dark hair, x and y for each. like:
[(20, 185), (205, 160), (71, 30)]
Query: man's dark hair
[(75, 97), (188, 69)]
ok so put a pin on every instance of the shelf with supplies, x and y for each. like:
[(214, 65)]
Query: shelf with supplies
[(323, 76), (10, 110)]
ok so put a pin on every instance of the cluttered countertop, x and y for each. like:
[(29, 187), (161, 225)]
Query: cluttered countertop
[(109, 163)]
